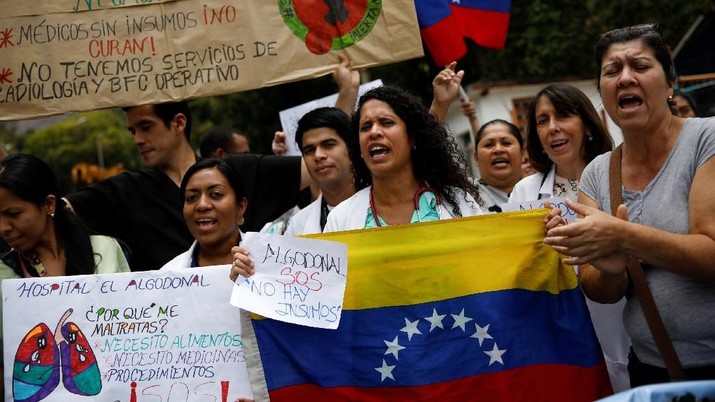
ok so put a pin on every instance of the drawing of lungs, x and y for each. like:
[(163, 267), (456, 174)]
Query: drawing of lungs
[(80, 372), (36, 373), (42, 356)]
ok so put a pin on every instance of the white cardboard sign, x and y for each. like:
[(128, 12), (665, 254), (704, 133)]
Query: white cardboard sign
[(296, 280)]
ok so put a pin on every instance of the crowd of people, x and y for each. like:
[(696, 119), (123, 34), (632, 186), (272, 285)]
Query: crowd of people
[(392, 161)]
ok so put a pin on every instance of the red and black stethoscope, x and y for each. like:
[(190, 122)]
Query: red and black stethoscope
[(416, 200)]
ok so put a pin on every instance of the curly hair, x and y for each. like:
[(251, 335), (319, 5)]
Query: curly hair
[(436, 158)]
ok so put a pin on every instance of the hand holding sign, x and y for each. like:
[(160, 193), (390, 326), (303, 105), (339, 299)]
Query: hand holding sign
[(301, 281)]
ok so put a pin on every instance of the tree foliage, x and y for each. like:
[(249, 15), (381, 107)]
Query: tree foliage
[(76, 138), (553, 39), (547, 40)]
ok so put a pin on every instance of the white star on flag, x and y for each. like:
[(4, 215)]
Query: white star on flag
[(457, 2), (481, 333), (435, 320), (385, 371), (393, 347), (460, 320), (411, 328), (495, 355)]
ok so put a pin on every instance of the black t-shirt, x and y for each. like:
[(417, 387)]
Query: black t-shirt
[(144, 209)]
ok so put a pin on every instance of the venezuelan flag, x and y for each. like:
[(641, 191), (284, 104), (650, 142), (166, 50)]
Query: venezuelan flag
[(445, 23), (466, 309)]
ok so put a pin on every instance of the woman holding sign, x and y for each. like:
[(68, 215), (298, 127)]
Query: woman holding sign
[(214, 204), (46, 237)]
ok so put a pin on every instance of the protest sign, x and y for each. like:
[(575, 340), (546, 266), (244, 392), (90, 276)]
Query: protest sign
[(567, 213), (301, 281), (289, 117), (87, 54), (146, 336)]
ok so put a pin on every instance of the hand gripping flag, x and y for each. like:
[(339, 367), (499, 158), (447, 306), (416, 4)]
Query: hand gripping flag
[(465, 309), (445, 23)]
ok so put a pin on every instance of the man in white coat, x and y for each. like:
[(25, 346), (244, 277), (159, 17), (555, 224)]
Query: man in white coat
[(321, 136)]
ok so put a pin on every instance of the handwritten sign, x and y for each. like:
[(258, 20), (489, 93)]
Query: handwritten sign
[(77, 55), (147, 336), (567, 213), (301, 281), (289, 117)]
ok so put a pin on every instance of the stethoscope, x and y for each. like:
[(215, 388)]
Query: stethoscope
[(415, 201)]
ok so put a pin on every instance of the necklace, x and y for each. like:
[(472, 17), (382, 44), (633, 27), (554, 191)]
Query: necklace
[(35, 262)]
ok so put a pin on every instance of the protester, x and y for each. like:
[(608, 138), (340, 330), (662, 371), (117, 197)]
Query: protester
[(405, 164), (144, 209), (564, 134), (498, 154), (667, 220), (322, 134), (222, 141), (47, 239), (348, 82), (445, 87), (214, 204), (683, 105)]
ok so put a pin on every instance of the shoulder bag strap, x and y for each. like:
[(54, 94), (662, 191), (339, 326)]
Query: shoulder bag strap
[(640, 285)]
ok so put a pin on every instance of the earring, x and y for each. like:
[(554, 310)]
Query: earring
[(52, 214), (671, 100), (240, 220)]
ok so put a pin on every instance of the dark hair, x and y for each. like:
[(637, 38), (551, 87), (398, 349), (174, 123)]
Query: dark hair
[(233, 178), (568, 101), (513, 130), (329, 117), (168, 110), (217, 137), (436, 158), (646, 33), (688, 98), (31, 179)]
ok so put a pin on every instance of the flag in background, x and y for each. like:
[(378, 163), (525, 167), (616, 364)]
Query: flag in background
[(464, 309), (445, 23)]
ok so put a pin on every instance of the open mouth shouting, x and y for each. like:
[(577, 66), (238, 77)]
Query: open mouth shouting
[(377, 151), (629, 101), (501, 162)]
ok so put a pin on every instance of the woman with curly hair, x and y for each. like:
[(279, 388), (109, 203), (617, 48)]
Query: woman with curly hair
[(406, 166)]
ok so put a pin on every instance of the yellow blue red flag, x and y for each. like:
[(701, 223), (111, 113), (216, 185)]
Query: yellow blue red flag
[(465, 309)]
